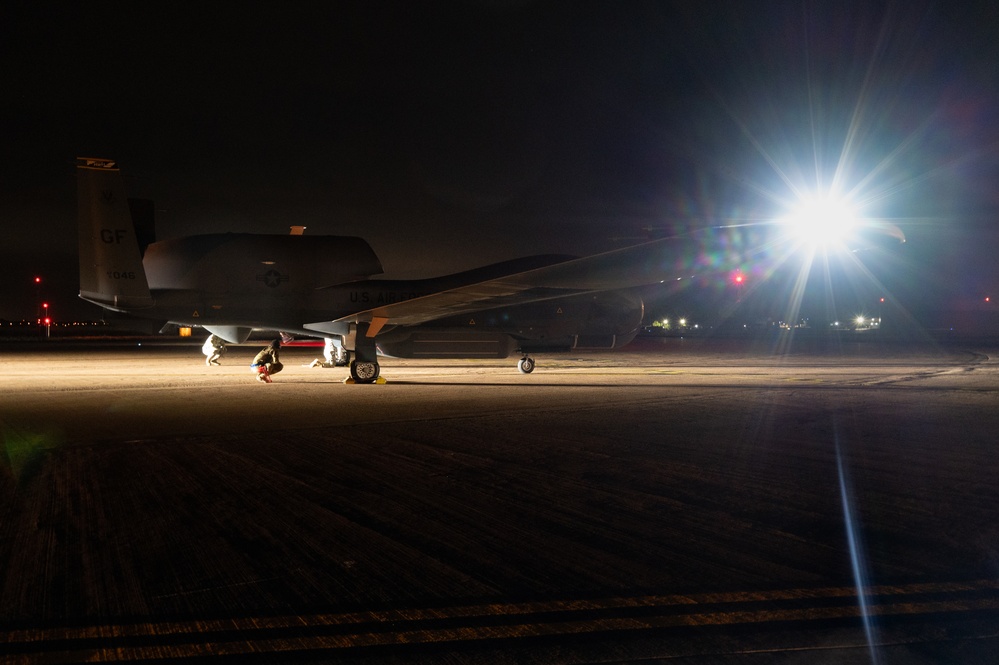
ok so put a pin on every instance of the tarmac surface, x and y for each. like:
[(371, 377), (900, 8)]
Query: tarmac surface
[(681, 501)]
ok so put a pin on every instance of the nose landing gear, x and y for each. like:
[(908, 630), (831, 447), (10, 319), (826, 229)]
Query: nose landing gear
[(526, 365)]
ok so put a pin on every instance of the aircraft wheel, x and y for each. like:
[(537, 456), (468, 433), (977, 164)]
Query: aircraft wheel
[(364, 372), (526, 365)]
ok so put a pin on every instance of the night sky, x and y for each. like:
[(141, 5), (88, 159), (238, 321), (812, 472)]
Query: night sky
[(455, 134)]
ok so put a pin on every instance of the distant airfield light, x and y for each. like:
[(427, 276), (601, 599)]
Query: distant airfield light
[(860, 320), (38, 280)]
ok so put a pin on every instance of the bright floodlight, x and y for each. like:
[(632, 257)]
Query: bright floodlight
[(822, 221)]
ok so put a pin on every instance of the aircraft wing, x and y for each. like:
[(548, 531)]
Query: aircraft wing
[(667, 259)]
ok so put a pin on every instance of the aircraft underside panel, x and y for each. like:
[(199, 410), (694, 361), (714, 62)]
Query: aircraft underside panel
[(575, 342), (604, 341), (462, 344), (445, 344), (595, 342)]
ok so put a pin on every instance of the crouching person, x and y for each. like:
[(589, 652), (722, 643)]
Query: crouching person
[(267, 362), (214, 348)]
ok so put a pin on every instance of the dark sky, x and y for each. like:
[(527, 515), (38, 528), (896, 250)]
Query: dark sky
[(450, 134)]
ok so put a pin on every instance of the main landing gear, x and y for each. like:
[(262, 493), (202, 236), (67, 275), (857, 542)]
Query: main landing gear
[(526, 365), (362, 353), (363, 371)]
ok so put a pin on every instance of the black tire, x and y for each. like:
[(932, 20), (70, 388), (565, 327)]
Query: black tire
[(364, 372), (526, 365)]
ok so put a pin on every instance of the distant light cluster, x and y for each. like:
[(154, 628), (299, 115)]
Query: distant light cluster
[(54, 324)]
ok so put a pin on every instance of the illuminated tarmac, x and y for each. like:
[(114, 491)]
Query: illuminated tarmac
[(682, 501)]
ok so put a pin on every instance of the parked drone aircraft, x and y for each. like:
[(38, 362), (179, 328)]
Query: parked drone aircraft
[(231, 284)]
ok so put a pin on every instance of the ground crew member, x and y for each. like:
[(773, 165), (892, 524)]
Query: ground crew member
[(266, 362), (213, 349)]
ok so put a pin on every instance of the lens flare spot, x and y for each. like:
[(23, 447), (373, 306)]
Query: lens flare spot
[(24, 450), (822, 221)]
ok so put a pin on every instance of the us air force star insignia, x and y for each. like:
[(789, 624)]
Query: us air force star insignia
[(272, 278)]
